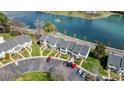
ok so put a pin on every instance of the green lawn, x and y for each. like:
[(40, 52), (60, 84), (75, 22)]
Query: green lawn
[(38, 76), (5, 61), (35, 49), (64, 56), (53, 53), (77, 61), (94, 66), (46, 52), (34, 76), (24, 53), (7, 36)]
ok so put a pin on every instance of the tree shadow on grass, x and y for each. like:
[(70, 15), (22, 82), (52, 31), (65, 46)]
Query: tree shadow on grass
[(103, 61)]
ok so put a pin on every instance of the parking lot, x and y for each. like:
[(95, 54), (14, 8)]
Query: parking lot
[(39, 64)]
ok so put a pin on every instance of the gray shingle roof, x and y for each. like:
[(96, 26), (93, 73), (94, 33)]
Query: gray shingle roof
[(9, 44), (51, 40), (64, 44), (71, 46), (43, 38), (59, 41), (114, 60), (76, 49), (84, 50), (122, 63)]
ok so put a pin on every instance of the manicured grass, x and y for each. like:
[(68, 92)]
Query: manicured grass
[(7, 36), (5, 61), (46, 52), (34, 76), (77, 61), (64, 56), (57, 55), (16, 56), (114, 75), (35, 49), (53, 53), (24, 53), (94, 66)]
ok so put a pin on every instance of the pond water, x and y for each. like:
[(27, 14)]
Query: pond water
[(109, 30)]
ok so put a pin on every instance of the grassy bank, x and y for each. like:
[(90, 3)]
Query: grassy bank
[(38, 76), (81, 14), (34, 76)]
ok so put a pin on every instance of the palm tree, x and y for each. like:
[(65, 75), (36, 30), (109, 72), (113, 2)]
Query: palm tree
[(49, 27)]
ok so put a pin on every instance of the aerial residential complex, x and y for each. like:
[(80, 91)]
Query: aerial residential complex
[(116, 63), (14, 45), (66, 47)]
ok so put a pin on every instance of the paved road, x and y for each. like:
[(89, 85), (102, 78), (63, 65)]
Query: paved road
[(12, 69)]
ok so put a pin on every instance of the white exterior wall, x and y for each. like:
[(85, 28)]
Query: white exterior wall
[(76, 55), (86, 54), (2, 54), (63, 51)]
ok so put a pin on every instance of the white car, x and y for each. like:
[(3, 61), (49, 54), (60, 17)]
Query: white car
[(79, 72)]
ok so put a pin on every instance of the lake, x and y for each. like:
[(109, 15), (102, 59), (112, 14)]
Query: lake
[(109, 30)]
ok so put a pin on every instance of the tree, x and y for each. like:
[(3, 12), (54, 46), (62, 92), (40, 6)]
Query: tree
[(4, 21), (39, 24), (99, 52), (49, 27)]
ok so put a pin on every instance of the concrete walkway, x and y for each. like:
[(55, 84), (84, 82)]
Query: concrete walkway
[(56, 54), (42, 50), (109, 75), (81, 62), (1, 63), (120, 77), (11, 58), (59, 55), (29, 52), (50, 52), (20, 54), (69, 57)]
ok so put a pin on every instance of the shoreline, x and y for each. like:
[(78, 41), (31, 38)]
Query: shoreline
[(77, 40), (97, 17)]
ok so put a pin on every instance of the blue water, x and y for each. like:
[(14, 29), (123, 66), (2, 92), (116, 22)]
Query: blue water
[(107, 30)]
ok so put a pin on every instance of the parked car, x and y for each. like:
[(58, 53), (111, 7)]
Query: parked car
[(83, 75), (49, 59), (68, 64), (79, 72), (73, 65)]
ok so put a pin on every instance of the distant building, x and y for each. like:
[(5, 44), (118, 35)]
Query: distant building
[(116, 63), (91, 12)]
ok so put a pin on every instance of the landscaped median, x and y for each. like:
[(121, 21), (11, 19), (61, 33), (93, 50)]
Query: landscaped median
[(93, 65), (35, 49), (46, 52), (64, 56), (53, 53), (78, 61)]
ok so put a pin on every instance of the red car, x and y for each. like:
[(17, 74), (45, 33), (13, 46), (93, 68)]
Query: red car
[(73, 65), (49, 59)]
